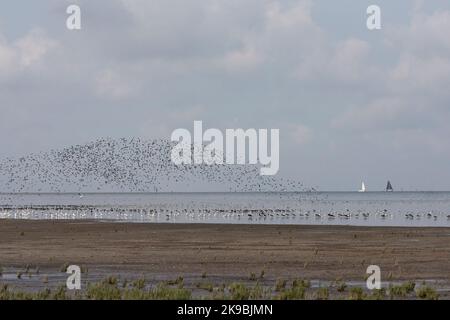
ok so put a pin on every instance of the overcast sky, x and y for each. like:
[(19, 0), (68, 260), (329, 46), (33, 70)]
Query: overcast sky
[(351, 104)]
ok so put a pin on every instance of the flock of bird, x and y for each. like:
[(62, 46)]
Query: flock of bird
[(155, 214), (128, 165), (137, 165)]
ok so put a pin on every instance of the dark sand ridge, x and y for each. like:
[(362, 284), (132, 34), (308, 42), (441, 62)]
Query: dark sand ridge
[(313, 252)]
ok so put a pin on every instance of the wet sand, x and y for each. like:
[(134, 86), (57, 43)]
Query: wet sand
[(228, 251)]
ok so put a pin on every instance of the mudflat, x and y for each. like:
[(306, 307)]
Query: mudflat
[(310, 252)]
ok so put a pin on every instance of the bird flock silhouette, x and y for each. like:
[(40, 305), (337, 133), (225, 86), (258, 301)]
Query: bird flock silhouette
[(128, 165), (139, 165)]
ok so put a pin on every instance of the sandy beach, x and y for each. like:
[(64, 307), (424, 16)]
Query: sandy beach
[(228, 251)]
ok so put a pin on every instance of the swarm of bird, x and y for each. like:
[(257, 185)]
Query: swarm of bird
[(127, 165)]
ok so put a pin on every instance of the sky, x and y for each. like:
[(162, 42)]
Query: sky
[(351, 104)]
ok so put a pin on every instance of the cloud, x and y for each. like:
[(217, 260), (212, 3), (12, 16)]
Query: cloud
[(143, 67), (426, 35), (33, 47), (110, 84), (241, 60), (418, 76), (301, 134), (423, 67), (411, 92), (383, 114), (25, 52), (7, 57)]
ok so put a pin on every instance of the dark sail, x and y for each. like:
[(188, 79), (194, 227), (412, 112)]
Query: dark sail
[(389, 186)]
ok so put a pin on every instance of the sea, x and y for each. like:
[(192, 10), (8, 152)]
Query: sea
[(404, 209)]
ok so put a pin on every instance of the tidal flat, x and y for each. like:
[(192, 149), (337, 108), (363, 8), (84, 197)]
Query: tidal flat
[(222, 261)]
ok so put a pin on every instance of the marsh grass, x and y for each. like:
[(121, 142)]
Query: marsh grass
[(109, 289), (58, 294), (64, 267), (294, 293), (280, 285), (378, 294), (115, 288), (139, 283), (341, 286), (262, 274), (205, 286), (179, 281), (426, 292), (297, 291), (401, 291), (322, 293), (239, 291), (301, 283), (357, 293), (104, 290)]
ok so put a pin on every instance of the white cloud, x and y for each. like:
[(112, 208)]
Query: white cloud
[(412, 94), (426, 35), (25, 52), (414, 75), (346, 62), (378, 115), (33, 47), (294, 17), (111, 84), (7, 57), (301, 134), (241, 60)]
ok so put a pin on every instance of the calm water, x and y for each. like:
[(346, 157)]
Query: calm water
[(319, 208)]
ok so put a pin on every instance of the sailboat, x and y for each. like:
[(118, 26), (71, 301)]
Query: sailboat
[(363, 187), (389, 187)]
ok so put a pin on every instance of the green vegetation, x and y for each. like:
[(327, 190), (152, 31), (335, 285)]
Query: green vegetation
[(426, 292), (341, 286), (138, 284), (280, 285), (205, 286), (46, 294), (301, 283), (239, 291), (179, 281), (322, 293), (115, 288), (297, 291), (64, 267), (109, 289), (357, 293), (402, 290), (378, 294)]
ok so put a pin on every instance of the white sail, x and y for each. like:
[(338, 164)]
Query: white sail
[(363, 187)]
